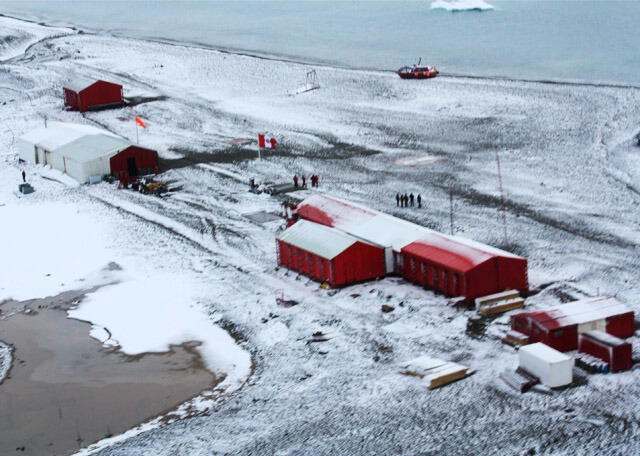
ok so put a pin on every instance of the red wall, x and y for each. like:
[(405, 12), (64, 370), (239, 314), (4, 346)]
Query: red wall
[(566, 338), (622, 326), (358, 263), (71, 99), (98, 94), (492, 276), (512, 274), (618, 357), (146, 161)]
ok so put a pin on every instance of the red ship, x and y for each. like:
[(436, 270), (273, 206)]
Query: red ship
[(417, 72)]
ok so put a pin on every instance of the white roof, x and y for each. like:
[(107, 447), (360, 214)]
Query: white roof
[(384, 229), (58, 134), (318, 239), (90, 147), (80, 83), (579, 312), (546, 353)]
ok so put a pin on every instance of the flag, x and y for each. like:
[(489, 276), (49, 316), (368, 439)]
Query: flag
[(140, 122)]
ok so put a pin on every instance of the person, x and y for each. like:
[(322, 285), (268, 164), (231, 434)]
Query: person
[(295, 181), (252, 182), (397, 199), (411, 199), (304, 181), (24, 177), (406, 200), (419, 200)]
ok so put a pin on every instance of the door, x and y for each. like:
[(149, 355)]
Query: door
[(131, 166)]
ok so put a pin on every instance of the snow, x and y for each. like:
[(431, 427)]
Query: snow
[(566, 153), (151, 314), (581, 312), (318, 239), (48, 248), (5, 360), (18, 35), (603, 337), (461, 5)]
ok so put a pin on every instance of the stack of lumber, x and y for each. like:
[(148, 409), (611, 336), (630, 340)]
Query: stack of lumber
[(435, 372), (499, 302), (520, 380), (515, 338), (591, 364)]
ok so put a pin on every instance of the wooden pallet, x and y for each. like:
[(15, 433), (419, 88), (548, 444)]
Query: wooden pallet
[(435, 372), (499, 302), (516, 339)]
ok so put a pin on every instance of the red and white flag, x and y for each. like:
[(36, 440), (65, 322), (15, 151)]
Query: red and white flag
[(262, 141)]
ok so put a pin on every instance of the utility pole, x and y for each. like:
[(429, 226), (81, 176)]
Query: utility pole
[(451, 208), (504, 215)]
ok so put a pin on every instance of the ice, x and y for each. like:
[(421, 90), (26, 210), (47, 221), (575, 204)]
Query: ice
[(461, 5), (149, 315)]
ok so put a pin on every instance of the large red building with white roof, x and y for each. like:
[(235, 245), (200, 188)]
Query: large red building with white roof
[(451, 265)]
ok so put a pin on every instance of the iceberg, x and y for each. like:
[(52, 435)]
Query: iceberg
[(461, 5)]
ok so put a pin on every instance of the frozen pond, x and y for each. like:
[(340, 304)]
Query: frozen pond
[(65, 391)]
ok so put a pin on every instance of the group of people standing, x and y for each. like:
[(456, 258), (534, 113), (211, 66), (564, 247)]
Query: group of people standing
[(404, 200), (302, 181)]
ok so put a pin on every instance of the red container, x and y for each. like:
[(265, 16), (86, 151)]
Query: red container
[(261, 142), (608, 348), (93, 95)]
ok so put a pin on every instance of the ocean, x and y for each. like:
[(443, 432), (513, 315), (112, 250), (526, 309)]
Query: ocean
[(584, 41)]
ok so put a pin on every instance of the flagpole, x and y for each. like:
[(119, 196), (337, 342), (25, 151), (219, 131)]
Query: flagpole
[(137, 138)]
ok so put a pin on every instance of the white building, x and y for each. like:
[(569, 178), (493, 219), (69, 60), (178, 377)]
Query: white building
[(83, 152)]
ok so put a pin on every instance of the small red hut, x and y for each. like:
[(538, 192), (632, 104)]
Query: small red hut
[(86, 94), (559, 327)]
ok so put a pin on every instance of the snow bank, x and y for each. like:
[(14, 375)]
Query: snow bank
[(47, 248), (151, 314), (5, 360), (16, 36), (461, 5)]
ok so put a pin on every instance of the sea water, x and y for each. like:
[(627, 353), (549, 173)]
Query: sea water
[(592, 41)]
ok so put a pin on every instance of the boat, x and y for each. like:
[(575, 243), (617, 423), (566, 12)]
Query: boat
[(418, 72)]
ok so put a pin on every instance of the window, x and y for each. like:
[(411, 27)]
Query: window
[(558, 333)]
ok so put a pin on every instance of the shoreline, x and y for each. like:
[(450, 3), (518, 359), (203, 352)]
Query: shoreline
[(82, 375), (319, 63)]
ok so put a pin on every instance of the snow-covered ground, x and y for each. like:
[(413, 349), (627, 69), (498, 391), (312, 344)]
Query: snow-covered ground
[(5, 360), (569, 164)]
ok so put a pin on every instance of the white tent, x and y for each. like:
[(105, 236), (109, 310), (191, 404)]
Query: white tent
[(88, 156), (79, 150)]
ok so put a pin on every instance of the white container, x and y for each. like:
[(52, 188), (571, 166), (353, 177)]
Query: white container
[(553, 368)]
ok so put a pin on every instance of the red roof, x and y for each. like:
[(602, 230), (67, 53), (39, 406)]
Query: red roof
[(449, 252), (577, 312)]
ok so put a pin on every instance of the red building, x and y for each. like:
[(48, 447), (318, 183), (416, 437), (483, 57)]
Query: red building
[(449, 264), (610, 349), (329, 255), (559, 327), (86, 94), (134, 161), (459, 267)]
